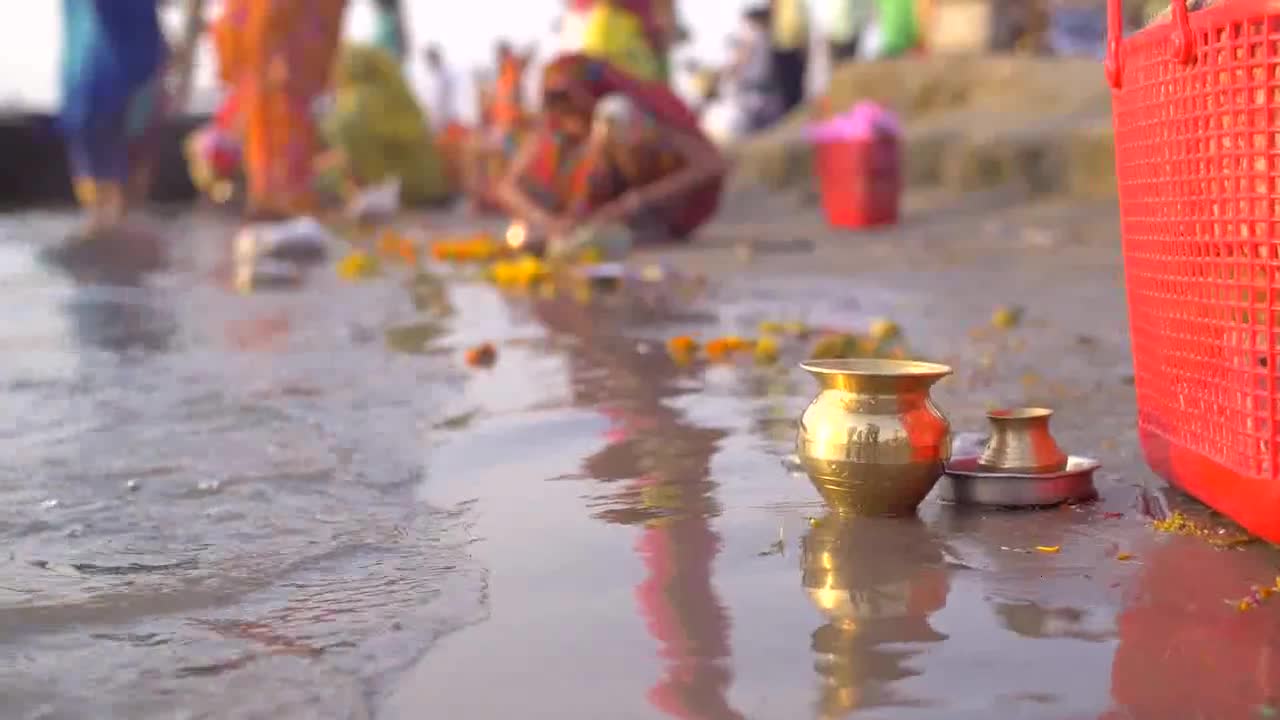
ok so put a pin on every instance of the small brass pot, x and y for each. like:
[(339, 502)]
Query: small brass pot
[(1021, 443), (872, 441)]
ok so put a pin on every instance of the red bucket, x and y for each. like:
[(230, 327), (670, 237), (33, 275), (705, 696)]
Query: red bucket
[(860, 181), (1196, 104)]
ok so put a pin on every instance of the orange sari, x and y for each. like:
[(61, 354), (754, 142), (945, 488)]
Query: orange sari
[(277, 56)]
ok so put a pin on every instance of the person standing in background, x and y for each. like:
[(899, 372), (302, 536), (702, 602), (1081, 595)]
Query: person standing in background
[(747, 98), (894, 32), (440, 100), (625, 34), (638, 35), (112, 54), (789, 20), (754, 85), (276, 56), (438, 95), (390, 31), (843, 24)]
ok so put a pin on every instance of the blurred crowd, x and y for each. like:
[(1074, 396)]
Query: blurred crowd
[(777, 44), (309, 121)]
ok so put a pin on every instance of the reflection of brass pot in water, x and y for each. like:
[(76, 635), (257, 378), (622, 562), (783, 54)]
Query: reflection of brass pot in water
[(878, 581), (872, 441), (1020, 443)]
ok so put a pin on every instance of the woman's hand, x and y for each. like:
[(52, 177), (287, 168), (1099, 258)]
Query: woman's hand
[(623, 208)]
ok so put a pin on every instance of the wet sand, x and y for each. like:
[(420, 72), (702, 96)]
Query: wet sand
[(732, 593), (586, 530)]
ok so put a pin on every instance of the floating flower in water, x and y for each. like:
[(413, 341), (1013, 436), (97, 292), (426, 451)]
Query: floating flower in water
[(394, 245), (523, 271), (884, 329), (767, 351), (771, 327), (835, 346), (723, 348), (682, 348), (796, 329), (359, 264), (480, 248), (1006, 317), (1124, 556), (481, 356), (1257, 595)]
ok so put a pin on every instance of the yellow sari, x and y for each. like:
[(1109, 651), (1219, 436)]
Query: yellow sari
[(617, 35), (380, 130)]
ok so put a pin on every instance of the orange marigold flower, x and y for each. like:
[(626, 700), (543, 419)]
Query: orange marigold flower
[(481, 355), (682, 348)]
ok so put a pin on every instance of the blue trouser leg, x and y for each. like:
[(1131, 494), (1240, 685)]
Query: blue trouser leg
[(99, 151)]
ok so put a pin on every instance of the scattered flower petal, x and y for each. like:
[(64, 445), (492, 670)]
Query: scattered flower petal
[(357, 265), (481, 356), (884, 329), (1006, 317), (767, 351)]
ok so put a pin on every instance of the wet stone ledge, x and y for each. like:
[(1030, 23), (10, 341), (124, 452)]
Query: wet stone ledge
[(35, 163)]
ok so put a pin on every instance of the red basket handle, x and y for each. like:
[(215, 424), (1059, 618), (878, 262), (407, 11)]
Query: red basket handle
[(1182, 49)]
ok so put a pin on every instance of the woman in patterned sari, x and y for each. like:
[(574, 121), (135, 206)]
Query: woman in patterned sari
[(276, 55), (612, 151)]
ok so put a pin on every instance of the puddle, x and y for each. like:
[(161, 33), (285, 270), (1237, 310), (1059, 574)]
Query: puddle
[(312, 523)]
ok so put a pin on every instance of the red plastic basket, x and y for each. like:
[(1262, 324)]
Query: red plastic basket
[(860, 181), (1196, 105)]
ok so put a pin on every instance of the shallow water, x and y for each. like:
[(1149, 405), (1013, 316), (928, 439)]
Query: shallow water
[(207, 492), (300, 504)]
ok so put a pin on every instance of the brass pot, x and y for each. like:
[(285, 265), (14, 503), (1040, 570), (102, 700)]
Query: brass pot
[(1021, 443), (872, 441)]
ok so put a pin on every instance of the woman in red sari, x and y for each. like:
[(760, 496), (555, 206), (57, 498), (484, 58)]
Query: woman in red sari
[(636, 159)]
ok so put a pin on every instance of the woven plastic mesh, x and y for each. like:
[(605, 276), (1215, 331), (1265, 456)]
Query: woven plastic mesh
[(1198, 166)]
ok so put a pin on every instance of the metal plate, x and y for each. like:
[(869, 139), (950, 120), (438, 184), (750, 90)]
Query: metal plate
[(966, 484)]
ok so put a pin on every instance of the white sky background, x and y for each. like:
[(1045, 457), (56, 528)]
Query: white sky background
[(30, 34)]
